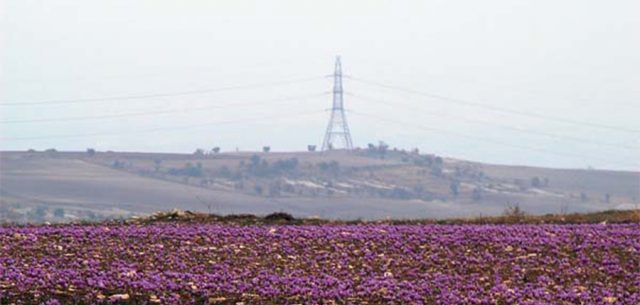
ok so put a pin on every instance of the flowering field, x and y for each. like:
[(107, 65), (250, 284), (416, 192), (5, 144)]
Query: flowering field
[(330, 264)]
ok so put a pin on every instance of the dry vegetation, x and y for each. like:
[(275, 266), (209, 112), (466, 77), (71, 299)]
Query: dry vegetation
[(511, 216), (372, 183)]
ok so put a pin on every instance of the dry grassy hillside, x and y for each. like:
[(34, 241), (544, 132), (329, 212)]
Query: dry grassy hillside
[(370, 183)]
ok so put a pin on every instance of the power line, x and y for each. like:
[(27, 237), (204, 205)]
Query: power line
[(149, 113), (484, 82), (494, 108), (165, 94), (170, 71), (482, 139), (512, 128), (151, 130)]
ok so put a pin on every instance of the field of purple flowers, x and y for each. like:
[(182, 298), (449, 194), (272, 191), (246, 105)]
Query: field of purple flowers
[(328, 264)]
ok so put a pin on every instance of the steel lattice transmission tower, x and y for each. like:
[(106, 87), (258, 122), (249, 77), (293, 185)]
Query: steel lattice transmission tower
[(337, 134)]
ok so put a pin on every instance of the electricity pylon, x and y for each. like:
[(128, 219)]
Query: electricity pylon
[(337, 134)]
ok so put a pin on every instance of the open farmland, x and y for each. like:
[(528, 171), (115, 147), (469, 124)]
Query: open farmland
[(366, 183), (187, 263)]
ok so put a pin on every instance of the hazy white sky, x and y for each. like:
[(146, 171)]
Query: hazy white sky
[(562, 60)]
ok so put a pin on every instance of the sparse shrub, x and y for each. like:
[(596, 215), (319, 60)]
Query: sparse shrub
[(436, 171), (513, 212), (382, 148), (258, 189), (189, 170), (257, 166), (255, 160), (40, 212), (423, 161), (584, 197), (536, 182), (117, 164), (58, 213), (279, 216), (379, 150), (476, 195), (157, 164), (199, 152), (91, 216), (224, 171), (454, 187), (284, 165), (332, 167)]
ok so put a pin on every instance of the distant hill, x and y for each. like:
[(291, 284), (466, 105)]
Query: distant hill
[(369, 183), (511, 216)]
